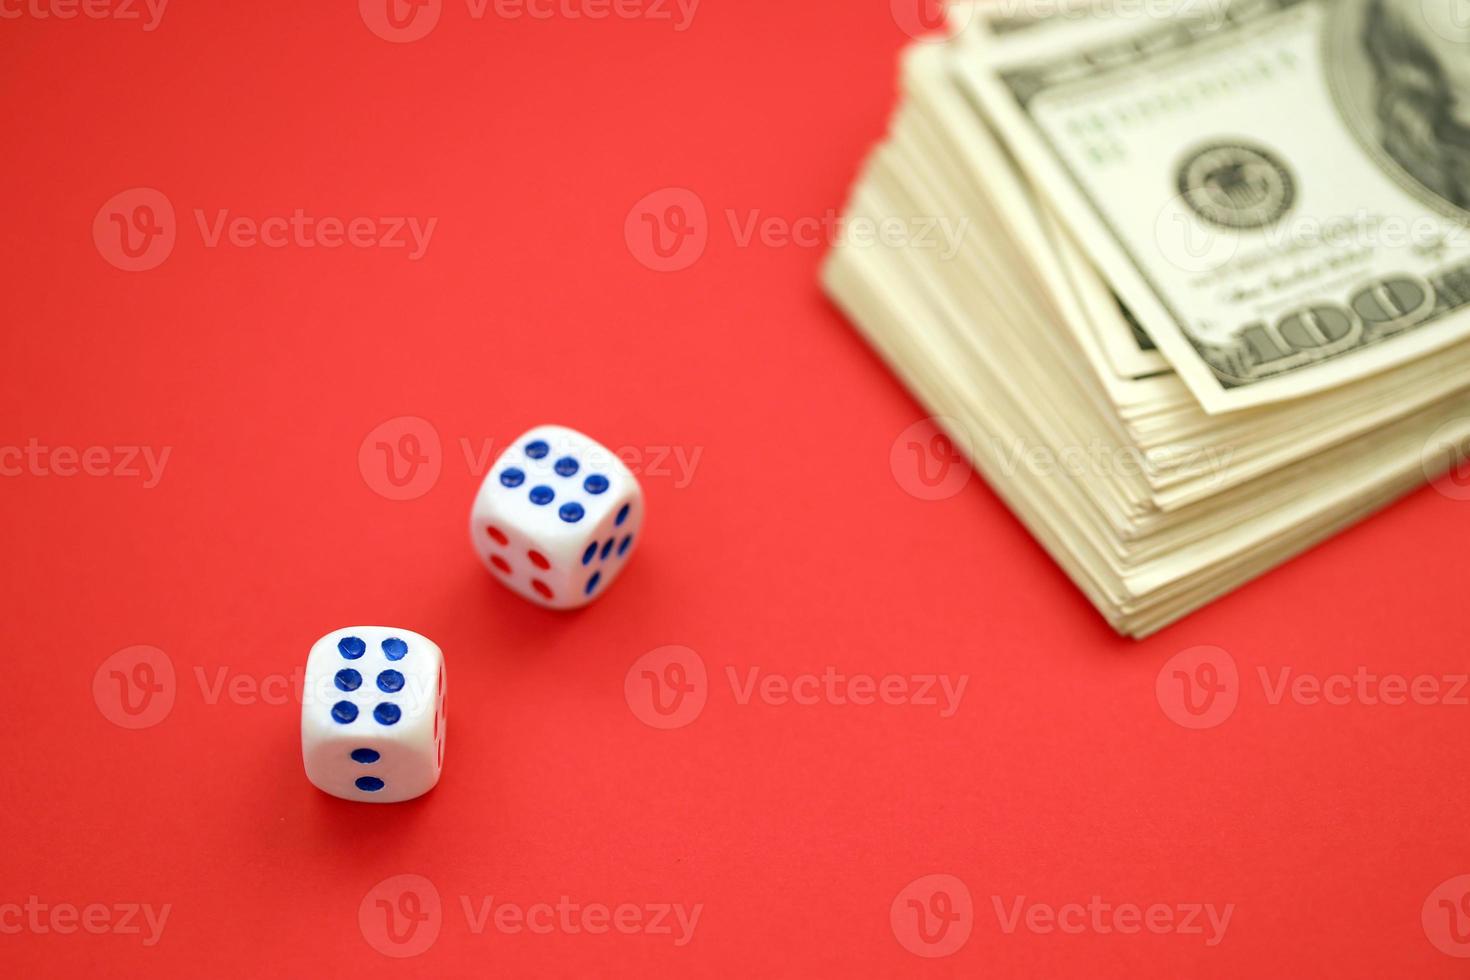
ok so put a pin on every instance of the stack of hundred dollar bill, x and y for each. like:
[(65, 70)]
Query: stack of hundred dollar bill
[(1189, 285)]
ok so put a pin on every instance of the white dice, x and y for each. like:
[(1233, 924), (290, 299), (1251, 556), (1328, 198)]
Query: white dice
[(372, 714), (557, 517)]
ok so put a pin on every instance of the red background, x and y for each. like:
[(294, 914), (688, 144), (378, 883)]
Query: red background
[(793, 548)]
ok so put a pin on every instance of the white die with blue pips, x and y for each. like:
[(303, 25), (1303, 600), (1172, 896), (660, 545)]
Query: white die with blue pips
[(372, 714), (557, 517)]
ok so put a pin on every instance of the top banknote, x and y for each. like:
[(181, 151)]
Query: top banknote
[(1277, 190)]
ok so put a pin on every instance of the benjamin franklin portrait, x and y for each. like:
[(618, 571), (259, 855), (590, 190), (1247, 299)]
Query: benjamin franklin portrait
[(1419, 53)]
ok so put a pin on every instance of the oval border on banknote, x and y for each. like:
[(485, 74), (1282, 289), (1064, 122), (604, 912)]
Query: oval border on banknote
[(1391, 90)]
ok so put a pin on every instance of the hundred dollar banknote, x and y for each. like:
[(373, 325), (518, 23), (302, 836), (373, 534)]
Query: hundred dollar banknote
[(1277, 190)]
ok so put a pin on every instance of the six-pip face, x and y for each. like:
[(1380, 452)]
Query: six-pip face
[(557, 517)]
